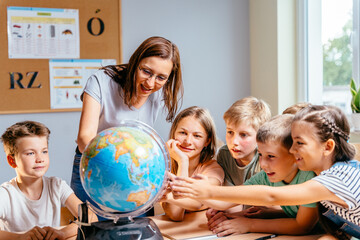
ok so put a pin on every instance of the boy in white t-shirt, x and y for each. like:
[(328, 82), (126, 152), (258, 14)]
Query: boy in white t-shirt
[(31, 203)]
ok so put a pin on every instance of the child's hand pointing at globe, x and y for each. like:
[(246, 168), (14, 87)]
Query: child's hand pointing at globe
[(197, 187)]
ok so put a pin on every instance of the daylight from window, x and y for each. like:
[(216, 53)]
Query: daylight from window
[(337, 52)]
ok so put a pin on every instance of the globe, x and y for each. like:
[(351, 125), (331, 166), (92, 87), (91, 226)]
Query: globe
[(123, 169)]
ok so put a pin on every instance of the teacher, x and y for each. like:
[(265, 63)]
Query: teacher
[(138, 90)]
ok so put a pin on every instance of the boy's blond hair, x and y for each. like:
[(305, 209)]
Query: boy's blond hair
[(250, 110), (277, 129), (20, 130)]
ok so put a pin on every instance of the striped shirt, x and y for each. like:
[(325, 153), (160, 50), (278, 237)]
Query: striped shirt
[(343, 179)]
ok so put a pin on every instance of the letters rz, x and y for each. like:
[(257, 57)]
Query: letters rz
[(19, 78)]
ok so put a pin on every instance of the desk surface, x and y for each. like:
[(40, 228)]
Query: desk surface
[(195, 226)]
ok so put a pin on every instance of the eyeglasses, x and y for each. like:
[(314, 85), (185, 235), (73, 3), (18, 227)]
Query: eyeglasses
[(145, 73)]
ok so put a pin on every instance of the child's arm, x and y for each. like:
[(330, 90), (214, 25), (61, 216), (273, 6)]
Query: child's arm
[(264, 212), (186, 204), (304, 193), (215, 217), (172, 210), (175, 208), (304, 222), (72, 203), (218, 205)]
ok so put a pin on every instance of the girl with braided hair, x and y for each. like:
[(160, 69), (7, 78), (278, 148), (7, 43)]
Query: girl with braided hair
[(320, 143)]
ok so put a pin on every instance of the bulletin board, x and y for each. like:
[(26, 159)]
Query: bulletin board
[(103, 41)]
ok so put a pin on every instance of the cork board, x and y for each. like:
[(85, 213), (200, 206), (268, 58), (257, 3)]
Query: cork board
[(33, 99)]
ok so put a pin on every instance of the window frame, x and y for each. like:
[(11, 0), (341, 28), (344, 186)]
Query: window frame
[(309, 52), (355, 41)]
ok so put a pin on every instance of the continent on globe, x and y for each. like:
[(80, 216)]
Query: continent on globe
[(139, 197)]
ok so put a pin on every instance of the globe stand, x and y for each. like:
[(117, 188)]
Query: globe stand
[(126, 228)]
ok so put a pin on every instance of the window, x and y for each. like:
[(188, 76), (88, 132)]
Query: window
[(328, 43)]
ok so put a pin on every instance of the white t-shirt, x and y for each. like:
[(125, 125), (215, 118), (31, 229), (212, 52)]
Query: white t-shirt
[(20, 214), (113, 109)]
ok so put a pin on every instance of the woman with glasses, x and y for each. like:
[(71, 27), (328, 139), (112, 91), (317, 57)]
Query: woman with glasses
[(137, 90)]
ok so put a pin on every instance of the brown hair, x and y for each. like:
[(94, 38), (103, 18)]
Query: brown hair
[(277, 129), (20, 130), (249, 109), (330, 123), (124, 74), (205, 119), (293, 109)]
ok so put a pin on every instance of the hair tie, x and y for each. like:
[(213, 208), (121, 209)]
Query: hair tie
[(335, 129)]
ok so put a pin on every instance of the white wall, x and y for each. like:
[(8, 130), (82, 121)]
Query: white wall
[(213, 38), (63, 127), (273, 52)]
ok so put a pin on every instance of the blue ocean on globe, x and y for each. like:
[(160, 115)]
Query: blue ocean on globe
[(123, 168)]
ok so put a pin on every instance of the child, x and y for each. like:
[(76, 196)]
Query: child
[(192, 148), (31, 202), (239, 157), (320, 143), (278, 169)]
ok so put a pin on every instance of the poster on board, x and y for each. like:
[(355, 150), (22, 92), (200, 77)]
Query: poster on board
[(68, 78), (43, 32)]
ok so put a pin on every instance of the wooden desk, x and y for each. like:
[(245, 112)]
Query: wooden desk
[(195, 226)]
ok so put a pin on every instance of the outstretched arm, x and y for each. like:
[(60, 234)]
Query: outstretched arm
[(299, 194), (218, 205), (303, 223), (215, 217), (175, 208)]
